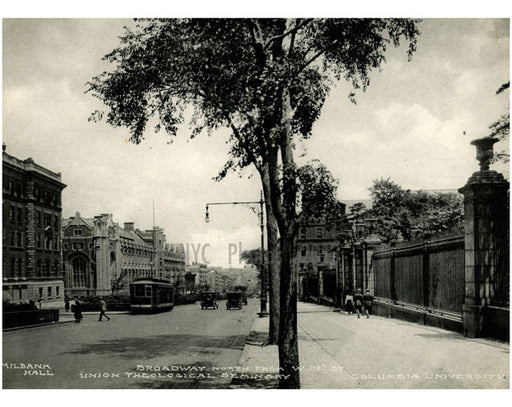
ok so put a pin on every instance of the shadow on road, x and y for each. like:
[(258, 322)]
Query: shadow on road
[(154, 346)]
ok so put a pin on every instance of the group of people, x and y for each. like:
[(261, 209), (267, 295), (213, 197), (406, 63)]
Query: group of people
[(358, 302), (77, 309)]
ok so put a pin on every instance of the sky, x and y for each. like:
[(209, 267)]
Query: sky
[(413, 124)]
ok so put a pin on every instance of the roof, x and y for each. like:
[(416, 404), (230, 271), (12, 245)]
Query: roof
[(77, 220)]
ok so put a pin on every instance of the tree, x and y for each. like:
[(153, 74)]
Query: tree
[(264, 79), (501, 129), (399, 213)]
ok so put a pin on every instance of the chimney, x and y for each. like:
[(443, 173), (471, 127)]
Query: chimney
[(128, 226)]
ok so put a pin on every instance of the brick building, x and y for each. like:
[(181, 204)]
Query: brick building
[(31, 245)]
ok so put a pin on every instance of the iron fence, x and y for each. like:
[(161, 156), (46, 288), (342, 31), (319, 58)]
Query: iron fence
[(429, 274)]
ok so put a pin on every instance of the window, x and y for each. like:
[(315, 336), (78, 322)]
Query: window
[(77, 232), (13, 266), (38, 240), (79, 272), (47, 267), (40, 292), (139, 291), (39, 268), (149, 291), (13, 238), (38, 218), (19, 239), (303, 232), (49, 292), (47, 219), (303, 251), (19, 216), (57, 291), (319, 233), (12, 211), (56, 222), (65, 246)]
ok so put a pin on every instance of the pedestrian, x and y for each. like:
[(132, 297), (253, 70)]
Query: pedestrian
[(103, 308), (358, 300), (349, 303), (66, 304), (367, 300), (77, 311), (40, 301)]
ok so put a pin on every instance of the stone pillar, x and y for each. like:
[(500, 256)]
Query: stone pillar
[(486, 220)]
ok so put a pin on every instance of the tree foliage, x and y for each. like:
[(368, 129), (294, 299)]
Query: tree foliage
[(398, 213), (501, 129)]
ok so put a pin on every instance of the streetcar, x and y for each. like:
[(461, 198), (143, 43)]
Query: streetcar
[(151, 295)]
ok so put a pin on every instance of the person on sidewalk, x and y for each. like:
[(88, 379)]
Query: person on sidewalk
[(349, 303), (358, 300), (66, 304), (367, 300), (103, 309), (77, 311)]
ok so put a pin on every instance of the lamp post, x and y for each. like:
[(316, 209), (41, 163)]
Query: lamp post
[(263, 293)]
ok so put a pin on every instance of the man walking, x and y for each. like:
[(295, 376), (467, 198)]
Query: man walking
[(367, 299), (103, 308), (358, 299)]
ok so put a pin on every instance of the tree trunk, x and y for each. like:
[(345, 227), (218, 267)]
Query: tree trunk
[(288, 340), (273, 268)]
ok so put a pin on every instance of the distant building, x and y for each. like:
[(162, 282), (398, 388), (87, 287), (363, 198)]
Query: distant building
[(169, 257), (31, 245)]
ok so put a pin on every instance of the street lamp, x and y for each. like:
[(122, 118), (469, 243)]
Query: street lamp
[(263, 293)]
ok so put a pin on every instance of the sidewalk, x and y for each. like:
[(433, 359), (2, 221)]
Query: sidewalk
[(64, 317), (340, 351)]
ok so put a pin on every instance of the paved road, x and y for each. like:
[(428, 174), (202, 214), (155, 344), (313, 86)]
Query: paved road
[(184, 348)]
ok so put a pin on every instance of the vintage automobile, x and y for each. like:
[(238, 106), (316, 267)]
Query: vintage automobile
[(208, 300), (234, 300), (243, 290)]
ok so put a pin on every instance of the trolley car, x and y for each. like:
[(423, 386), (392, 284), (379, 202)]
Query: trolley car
[(151, 295)]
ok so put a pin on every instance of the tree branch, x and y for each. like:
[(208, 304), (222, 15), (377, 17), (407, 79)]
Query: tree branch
[(291, 31)]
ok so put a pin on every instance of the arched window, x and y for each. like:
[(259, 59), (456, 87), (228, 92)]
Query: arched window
[(79, 268)]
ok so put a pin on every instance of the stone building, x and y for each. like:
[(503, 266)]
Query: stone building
[(101, 258), (315, 260), (169, 257), (31, 245)]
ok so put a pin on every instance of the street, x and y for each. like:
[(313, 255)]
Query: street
[(186, 348)]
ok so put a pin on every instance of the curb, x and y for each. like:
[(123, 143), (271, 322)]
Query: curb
[(17, 328)]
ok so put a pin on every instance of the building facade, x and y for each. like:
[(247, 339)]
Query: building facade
[(31, 252), (101, 258), (169, 257), (315, 260)]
